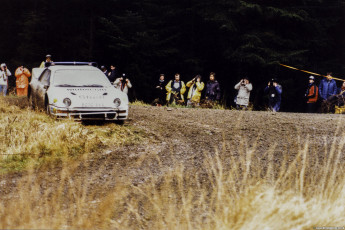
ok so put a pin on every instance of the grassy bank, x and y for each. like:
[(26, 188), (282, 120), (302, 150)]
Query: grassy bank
[(229, 191), (31, 137)]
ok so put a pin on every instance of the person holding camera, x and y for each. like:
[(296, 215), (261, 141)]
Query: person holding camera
[(123, 83), (4, 74), (274, 91), (22, 80), (194, 93), (244, 87), (175, 90)]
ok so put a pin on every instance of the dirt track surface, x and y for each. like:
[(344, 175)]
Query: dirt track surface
[(183, 136)]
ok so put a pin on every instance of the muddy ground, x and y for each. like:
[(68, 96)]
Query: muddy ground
[(184, 136)]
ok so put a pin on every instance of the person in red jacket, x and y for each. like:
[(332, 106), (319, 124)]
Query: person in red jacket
[(312, 95), (22, 82)]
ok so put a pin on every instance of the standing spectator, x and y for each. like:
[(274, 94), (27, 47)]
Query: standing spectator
[(175, 90), (274, 91), (48, 60), (312, 95), (327, 88), (123, 83), (160, 92), (4, 74), (112, 74), (212, 89), (244, 87), (194, 93), (104, 70), (22, 83)]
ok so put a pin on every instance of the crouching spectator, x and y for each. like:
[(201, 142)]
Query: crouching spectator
[(194, 93), (244, 87)]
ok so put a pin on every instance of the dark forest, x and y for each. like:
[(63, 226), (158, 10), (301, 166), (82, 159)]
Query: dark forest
[(143, 38)]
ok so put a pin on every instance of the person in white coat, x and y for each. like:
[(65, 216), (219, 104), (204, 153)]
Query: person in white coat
[(244, 87), (123, 83), (4, 74)]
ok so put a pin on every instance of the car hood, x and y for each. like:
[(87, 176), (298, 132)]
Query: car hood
[(87, 97)]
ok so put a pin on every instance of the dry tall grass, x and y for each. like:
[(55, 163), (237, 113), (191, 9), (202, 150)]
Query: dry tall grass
[(29, 137), (239, 194), (235, 189)]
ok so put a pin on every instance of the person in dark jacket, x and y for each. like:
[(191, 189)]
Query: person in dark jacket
[(112, 75), (212, 89), (311, 95), (160, 91), (327, 87), (274, 91)]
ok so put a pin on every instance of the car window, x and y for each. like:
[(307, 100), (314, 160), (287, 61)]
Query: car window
[(45, 77), (80, 78)]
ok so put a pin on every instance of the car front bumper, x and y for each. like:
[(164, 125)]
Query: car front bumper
[(89, 113)]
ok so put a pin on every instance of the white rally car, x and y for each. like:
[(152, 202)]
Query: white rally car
[(77, 90)]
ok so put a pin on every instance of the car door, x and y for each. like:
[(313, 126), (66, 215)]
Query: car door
[(42, 87)]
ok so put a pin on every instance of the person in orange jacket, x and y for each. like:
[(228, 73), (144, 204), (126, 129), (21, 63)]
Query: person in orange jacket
[(22, 82)]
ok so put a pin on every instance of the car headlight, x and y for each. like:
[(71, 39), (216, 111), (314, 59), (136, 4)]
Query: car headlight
[(67, 102), (117, 102)]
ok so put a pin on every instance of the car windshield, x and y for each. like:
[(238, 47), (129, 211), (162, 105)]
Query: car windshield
[(80, 78)]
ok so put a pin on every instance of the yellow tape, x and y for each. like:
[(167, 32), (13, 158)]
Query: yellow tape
[(339, 79)]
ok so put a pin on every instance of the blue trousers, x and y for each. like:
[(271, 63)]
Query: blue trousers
[(3, 89)]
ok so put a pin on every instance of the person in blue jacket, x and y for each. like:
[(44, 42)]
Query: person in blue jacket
[(327, 87), (274, 91)]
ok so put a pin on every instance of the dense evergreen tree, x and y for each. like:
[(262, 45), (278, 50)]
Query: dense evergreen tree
[(144, 38)]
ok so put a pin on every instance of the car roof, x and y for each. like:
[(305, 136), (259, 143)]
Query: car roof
[(72, 67)]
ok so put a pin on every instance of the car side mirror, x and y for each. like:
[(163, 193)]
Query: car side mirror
[(45, 87)]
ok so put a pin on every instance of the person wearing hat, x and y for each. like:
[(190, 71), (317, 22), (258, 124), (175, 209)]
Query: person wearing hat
[(244, 87), (4, 74), (311, 95), (22, 80), (274, 91), (48, 60)]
